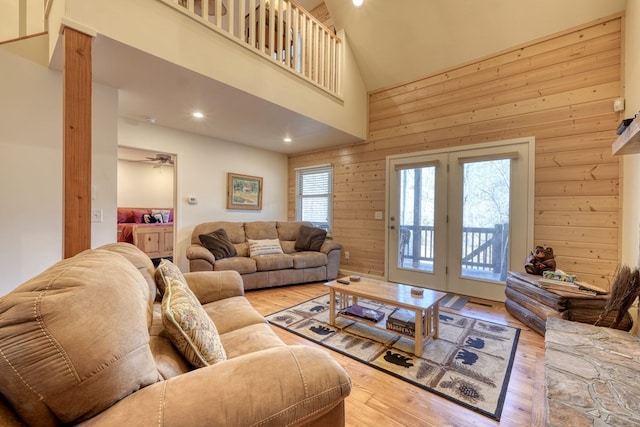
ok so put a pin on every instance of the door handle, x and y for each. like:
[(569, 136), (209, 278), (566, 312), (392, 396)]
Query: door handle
[(393, 227)]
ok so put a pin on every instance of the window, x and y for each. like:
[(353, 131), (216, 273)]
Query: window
[(313, 195)]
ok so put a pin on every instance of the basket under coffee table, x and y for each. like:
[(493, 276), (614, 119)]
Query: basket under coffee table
[(426, 306)]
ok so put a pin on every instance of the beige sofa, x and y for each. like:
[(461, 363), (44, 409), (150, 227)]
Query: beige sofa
[(290, 267), (84, 343)]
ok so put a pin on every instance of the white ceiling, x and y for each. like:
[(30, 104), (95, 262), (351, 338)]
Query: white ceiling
[(399, 41), (394, 42)]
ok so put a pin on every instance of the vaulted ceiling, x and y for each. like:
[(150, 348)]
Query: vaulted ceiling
[(398, 41), (393, 41)]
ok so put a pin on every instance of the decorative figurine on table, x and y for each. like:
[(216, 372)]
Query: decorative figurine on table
[(539, 260)]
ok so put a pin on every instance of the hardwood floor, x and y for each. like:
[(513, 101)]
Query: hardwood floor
[(378, 399)]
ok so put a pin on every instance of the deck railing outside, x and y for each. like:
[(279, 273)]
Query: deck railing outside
[(280, 30), (483, 248)]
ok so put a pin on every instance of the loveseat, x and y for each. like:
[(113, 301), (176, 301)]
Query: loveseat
[(301, 253), (88, 342)]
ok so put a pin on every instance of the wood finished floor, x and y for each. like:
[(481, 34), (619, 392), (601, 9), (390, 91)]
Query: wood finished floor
[(378, 399)]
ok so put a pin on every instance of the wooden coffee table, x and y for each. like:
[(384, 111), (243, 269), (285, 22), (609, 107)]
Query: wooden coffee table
[(426, 306)]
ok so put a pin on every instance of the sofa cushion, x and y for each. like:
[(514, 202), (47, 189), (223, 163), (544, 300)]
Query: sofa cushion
[(288, 230), (233, 313), (260, 230), (274, 262), (189, 327), (167, 270), (235, 230), (75, 340), (310, 238), (242, 265), (264, 247), (249, 339), (309, 259), (219, 244)]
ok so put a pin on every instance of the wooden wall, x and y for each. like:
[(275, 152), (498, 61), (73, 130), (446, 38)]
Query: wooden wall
[(559, 89)]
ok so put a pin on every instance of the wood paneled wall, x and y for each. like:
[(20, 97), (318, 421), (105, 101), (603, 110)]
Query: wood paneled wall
[(559, 89)]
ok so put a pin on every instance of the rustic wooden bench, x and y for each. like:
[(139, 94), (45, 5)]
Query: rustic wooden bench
[(533, 305)]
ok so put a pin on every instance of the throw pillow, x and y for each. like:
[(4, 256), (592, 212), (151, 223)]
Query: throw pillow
[(152, 219), (219, 244), (165, 213), (138, 215), (264, 247), (190, 329), (310, 238), (167, 270)]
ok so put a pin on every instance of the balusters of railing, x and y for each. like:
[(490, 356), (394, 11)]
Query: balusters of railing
[(261, 27), (241, 21), (281, 30)]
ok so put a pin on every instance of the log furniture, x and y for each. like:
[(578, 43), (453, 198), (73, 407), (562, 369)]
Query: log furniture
[(533, 305)]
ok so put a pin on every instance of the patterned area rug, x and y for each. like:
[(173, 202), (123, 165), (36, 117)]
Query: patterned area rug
[(470, 363)]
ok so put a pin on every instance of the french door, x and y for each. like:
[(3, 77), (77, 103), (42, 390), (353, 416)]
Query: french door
[(459, 220)]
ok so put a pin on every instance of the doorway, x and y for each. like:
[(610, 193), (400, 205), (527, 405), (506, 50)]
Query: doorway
[(459, 219), (147, 184)]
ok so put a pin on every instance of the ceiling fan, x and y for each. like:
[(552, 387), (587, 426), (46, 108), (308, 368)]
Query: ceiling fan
[(159, 160)]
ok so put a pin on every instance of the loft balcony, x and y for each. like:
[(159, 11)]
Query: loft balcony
[(280, 30), (257, 64)]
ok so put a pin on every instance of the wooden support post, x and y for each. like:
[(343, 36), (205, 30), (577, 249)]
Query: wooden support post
[(76, 74)]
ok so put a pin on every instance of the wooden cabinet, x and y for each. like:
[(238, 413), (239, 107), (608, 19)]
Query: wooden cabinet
[(154, 240)]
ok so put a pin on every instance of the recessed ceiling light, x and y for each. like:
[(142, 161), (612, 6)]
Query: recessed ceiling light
[(287, 139), (151, 120), (357, 3), (197, 114)]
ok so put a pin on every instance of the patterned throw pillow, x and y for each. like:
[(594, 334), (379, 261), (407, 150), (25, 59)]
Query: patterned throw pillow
[(167, 270), (164, 213), (152, 218), (190, 329), (264, 247)]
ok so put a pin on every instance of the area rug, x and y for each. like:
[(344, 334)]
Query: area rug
[(455, 302), (469, 364)]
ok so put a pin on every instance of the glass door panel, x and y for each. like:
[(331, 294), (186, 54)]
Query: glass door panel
[(417, 218), (485, 219), (417, 221)]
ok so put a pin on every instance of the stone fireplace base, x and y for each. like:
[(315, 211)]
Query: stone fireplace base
[(591, 375)]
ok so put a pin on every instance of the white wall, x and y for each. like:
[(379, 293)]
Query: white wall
[(31, 172), (141, 185), (201, 171), (631, 166)]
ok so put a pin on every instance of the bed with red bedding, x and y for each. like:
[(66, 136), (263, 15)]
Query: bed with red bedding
[(151, 229)]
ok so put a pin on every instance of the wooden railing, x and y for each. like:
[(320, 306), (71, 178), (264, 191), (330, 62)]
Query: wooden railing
[(483, 248), (296, 40)]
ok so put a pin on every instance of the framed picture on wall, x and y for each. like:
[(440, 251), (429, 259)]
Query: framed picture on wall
[(244, 191)]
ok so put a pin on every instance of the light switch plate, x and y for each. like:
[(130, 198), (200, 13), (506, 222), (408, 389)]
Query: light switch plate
[(96, 215)]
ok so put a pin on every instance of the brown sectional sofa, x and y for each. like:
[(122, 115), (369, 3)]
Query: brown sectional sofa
[(84, 343), (263, 271)]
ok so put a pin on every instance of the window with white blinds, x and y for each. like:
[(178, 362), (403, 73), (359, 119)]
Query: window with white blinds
[(314, 194)]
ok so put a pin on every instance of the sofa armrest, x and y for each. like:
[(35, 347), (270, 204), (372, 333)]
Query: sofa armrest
[(289, 385), (209, 286), (330, 245), (199, 252)]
